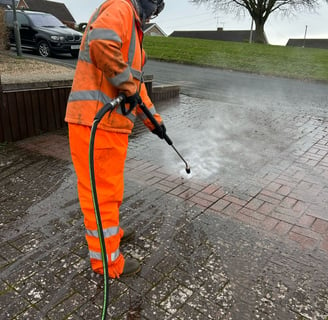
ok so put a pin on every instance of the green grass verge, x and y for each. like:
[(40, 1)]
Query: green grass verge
[(290, 62)]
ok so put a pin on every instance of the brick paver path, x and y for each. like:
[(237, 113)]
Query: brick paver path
[(247, 243)]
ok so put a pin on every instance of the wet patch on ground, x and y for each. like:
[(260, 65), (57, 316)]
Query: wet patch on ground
[(202, 255)]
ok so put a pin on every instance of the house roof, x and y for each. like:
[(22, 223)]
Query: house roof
[(149, 26), (56, 8), (219, 34), (308, 43), (5, 3)]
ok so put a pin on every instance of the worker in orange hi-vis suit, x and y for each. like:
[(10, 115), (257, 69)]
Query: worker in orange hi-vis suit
[(110, 64)]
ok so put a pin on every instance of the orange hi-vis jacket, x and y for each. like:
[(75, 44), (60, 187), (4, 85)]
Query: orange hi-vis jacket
[(110, 62)]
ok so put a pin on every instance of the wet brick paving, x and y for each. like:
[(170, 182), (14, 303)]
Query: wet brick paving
[(235, 242)]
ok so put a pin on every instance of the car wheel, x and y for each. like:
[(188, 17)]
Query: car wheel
[(75, 53), (43, 49)]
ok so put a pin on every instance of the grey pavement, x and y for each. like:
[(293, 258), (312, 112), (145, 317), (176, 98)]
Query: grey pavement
[(245, 236)]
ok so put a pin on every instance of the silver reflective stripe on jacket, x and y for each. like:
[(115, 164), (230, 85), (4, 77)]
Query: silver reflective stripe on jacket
[(143, 117), (135, 73), (124, 76), (87, 95), (95, 34), (130, 116), (103, 34), (120, 78)]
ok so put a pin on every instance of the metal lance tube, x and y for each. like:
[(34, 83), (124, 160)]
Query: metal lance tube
[(166, 137)]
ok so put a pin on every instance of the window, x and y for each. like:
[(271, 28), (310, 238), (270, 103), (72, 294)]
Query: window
[(22, 19)]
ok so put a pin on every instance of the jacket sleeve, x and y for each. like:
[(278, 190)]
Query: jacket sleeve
[(148, 103), (108, 33)]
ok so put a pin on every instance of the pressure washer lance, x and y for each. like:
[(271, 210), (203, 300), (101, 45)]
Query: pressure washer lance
[(100, 114), (165, 136)]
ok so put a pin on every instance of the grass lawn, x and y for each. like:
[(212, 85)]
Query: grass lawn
[(289, 62)]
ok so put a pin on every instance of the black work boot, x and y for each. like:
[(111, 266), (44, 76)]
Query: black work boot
[(131, 267), (129, 233)]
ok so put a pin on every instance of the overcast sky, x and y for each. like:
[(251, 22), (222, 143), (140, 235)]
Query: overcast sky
[(182, 15)]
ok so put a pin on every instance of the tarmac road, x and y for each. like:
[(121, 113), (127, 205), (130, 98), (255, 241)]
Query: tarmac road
[(262, 92)]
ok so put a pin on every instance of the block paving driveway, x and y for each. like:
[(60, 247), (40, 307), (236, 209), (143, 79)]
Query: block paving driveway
[(245, 236)]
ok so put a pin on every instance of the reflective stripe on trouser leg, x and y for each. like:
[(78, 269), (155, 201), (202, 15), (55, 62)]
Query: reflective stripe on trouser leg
[(92, 235), (109, 157)]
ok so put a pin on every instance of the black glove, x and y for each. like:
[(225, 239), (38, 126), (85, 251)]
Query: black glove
[(160, 131), (133, 101)]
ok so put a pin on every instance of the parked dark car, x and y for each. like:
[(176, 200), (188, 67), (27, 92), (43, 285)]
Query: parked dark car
[(43, 33)]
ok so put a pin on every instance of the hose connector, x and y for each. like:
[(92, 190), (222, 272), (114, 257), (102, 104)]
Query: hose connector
[(107, 107)]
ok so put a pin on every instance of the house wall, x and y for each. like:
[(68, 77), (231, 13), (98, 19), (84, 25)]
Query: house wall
[(22, 5), (153, 32), (29, 109), (308, 43)]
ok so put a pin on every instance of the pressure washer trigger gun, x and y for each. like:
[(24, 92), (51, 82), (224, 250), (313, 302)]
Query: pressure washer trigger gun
[(166, 137), (136, 100)]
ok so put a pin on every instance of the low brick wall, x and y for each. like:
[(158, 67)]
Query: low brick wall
[(164, 92), (29, 109)]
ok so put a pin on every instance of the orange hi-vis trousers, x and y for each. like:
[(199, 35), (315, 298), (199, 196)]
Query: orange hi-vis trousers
[(110, 151)]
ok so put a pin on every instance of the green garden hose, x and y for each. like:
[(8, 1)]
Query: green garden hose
[(107, 107)]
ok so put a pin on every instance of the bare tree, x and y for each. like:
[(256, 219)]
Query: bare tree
[(260, 10)]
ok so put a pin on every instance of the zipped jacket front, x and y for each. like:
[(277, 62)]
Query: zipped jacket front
[(110, 62)]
